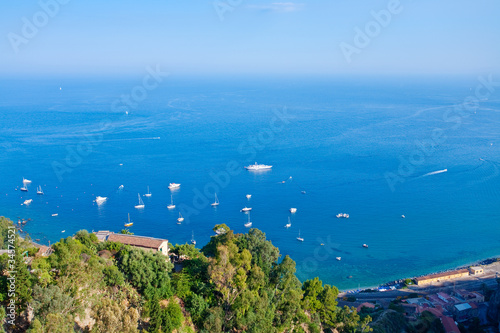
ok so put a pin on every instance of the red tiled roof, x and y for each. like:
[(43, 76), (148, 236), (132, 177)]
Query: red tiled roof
[(438, 275), (449, 325), (140, 241), (365, 305)]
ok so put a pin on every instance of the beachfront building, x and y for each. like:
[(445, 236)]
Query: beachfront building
[(142, 242), (440, 277), (476, 270)]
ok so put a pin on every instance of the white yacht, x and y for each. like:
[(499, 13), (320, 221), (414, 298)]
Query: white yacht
[(365, 245), (338, 258), (300, 239), (141, 203), (289, 224), (39, 190), (256, 166), (248, 224), (148, 194), (99, 200), (180, 219), (403, 217), (121, 187), (173, 186), (248, 196), (171, 206), (246, 209), (27, 202), (216, 202), (26, 181), (55, 214), (342, 216), (24, 188), (293, 210)]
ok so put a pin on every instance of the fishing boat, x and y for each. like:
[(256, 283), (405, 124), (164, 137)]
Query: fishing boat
[(216, 202), (246, 209), (289, 224), (193, 241), (141, 203), (39, 190), (171, 206), (257, 167), (99, 200), (248, 224), (148, 194), (26, 181), (300, 239), (128, 224), (180, 219), (293, 210), (173, 186), (248, 196), (27, 202)]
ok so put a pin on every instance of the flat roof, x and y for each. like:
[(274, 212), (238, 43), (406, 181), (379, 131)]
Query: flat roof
[(476, 268), (463, 306)]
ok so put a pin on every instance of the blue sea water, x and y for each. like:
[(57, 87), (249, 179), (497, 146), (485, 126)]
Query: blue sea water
[(356, 145)]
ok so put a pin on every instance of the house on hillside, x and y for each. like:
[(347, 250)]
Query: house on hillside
[(142, 242)]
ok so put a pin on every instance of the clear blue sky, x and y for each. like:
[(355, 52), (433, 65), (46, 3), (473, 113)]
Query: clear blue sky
[(262, 37)]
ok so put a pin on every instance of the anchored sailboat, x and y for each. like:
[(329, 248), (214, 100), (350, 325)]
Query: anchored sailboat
[(128, 224), (193, 241), (148, 194), (300, 239), (289, 224), (39, 190), (180, 219), (171, 206), (216, 203), (141, 203), (248, 224)]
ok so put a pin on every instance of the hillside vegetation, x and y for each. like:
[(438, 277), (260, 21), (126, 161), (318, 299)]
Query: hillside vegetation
[(235, 283)]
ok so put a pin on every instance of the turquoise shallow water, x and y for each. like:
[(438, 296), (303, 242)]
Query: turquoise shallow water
[(337, 139)]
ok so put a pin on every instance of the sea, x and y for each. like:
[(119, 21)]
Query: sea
[(375, 147)]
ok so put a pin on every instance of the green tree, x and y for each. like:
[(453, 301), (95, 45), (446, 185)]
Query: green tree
[(114, 317), (112, 276)]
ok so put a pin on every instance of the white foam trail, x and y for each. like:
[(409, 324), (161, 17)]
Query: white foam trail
[(435, 172)]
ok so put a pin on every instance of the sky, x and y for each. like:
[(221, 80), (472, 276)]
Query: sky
[(228, 37)]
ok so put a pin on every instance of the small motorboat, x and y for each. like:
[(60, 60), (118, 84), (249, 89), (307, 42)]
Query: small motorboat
[(174, 186), (246, 209), (248, 196), (293, 210), (365, 245)]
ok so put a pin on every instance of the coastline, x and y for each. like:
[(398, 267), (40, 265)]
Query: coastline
[(487, 263)]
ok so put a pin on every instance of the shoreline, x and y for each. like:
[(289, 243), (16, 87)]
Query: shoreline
[(485, 263)]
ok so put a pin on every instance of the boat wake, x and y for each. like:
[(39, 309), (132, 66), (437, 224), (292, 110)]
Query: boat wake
[(435, 172)]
